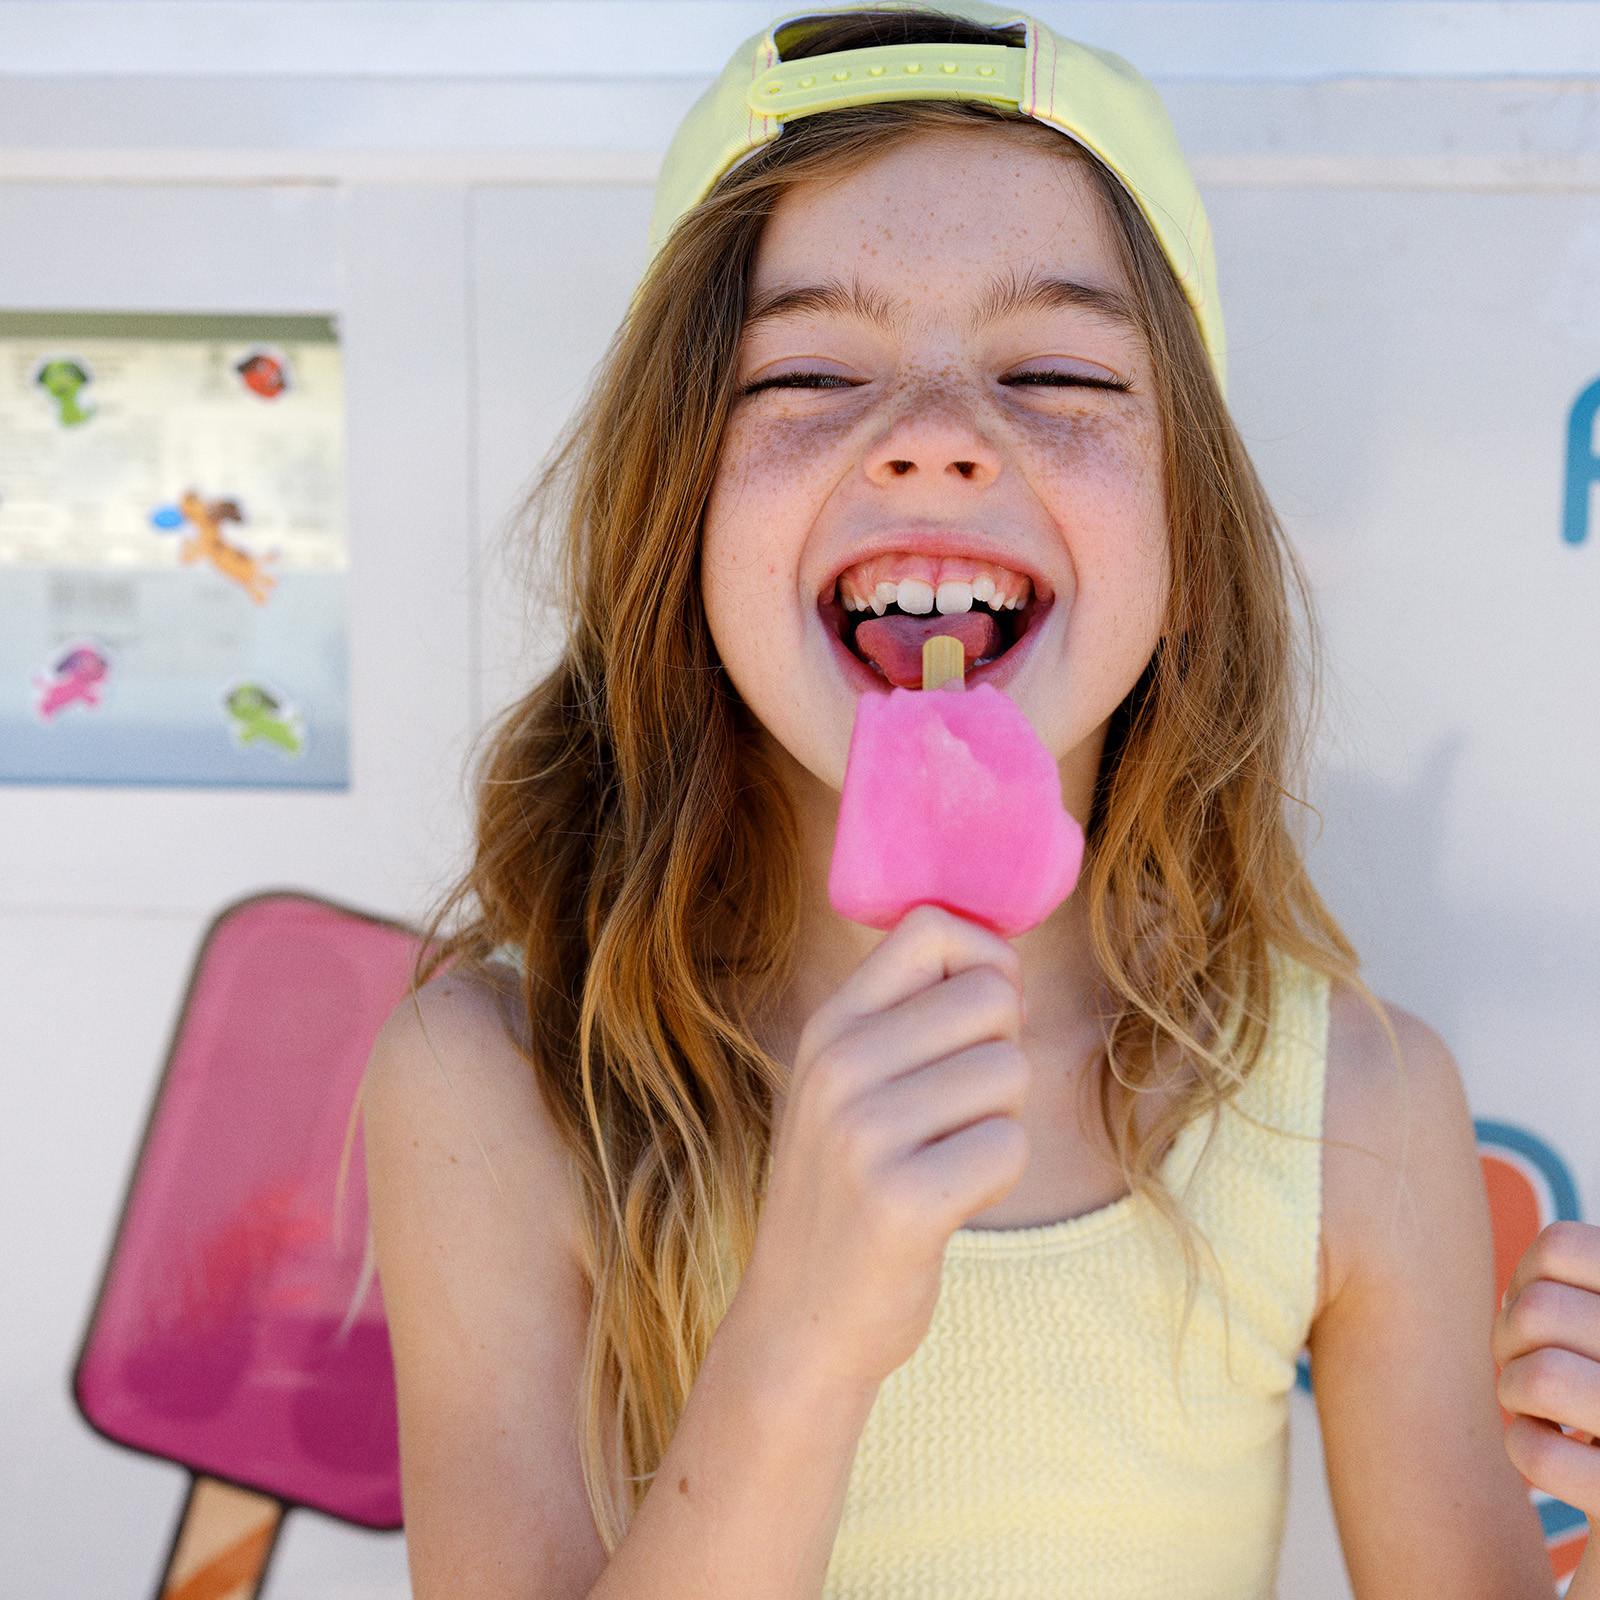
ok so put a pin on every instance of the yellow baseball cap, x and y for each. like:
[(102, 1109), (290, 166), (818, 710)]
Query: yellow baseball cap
[(1094, 97)]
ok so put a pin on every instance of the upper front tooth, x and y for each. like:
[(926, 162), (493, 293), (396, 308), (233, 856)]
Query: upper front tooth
[(954, 595), (885, 595), (983, 589), (914, 595)]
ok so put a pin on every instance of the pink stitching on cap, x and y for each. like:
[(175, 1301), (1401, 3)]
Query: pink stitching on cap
[(749, 110)]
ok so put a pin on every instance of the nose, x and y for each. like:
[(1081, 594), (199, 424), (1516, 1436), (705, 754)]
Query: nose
[(937, 436)]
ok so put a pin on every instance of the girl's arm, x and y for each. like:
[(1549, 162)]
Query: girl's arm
[(1547, 1346), (1425, 1498), (487, 1309), (752, 1487)]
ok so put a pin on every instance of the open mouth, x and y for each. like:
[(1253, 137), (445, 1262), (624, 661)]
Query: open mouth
[(1004, 630)]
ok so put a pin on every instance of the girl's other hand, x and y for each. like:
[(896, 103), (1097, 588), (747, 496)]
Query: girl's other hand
[(900, 1121), (1546, 1341)]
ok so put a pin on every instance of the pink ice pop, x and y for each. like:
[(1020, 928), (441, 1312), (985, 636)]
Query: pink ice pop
[(950, 798)]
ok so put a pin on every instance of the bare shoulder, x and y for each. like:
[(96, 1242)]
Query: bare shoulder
[(447, 1061), (1373, 1108), (485, 1301)]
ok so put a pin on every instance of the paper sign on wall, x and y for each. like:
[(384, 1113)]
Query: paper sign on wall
[(173, 556)]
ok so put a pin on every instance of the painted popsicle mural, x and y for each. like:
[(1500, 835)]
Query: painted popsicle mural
[(217, 1337)]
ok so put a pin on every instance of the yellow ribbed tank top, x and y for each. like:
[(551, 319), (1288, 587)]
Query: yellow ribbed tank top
[(1033, 1447)]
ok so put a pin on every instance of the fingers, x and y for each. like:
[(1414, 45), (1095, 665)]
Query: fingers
[(1554, 1384), (984, 1081), (1546, 1342), (927, 945), (1563, 1467), (973, 1006), (1565, 1252), (1547, 1313)]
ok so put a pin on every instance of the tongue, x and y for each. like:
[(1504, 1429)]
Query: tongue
[(895, 643)]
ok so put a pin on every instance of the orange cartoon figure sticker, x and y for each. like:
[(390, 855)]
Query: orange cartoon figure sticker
[(207, 543)]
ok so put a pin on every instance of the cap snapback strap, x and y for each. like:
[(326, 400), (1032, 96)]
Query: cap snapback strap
[(890, 72)]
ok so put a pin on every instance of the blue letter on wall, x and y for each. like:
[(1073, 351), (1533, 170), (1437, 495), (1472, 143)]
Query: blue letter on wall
[(1583, 463)]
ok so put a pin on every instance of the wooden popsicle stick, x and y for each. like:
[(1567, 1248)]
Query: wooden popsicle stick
[(225, 1537), (943, 661)]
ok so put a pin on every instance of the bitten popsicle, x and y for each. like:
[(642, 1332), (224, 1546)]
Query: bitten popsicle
[(950, 798)]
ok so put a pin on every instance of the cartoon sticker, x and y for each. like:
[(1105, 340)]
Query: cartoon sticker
[(264, 372), (207, 543), (75, 677), (256, 715), (64, 378)]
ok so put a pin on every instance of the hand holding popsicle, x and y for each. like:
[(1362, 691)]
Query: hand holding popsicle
[(900, 1121), (950, 799), (902, 1117)]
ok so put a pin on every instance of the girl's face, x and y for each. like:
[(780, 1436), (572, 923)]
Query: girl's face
[(923, 424)]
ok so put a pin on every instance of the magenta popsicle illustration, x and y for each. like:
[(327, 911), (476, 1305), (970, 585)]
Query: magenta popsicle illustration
[(217, 1339), (949, 798)]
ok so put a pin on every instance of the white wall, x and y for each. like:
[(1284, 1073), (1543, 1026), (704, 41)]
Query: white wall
[(1406, 199)]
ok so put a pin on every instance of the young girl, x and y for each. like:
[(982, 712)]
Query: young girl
[(732, 1249)]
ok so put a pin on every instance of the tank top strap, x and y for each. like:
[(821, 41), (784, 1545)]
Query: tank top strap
[(1257, 1190), (1288, 1085)]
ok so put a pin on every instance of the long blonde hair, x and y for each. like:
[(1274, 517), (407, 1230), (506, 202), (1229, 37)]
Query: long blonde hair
[(635, 849)]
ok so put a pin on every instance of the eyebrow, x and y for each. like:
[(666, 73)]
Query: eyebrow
[(1005, 295)]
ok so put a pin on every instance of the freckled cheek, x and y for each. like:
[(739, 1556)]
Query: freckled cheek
[(1091, 461), (1102, 480), (781, 456), (758, 514)]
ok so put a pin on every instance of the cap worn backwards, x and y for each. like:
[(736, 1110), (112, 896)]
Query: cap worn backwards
[(1092, 96)]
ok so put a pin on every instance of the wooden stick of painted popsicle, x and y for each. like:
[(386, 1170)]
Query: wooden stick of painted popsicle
[(943, 661)]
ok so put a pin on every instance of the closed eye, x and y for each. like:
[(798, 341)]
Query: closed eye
[(797, 381), (814, 379), (1069, 380)]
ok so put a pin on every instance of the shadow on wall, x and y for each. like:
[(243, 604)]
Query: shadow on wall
[(1380, 858)]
